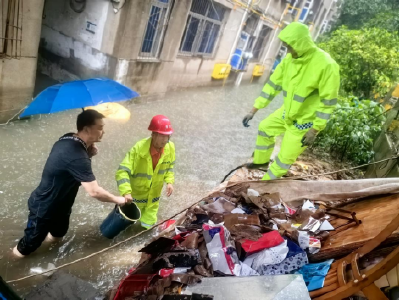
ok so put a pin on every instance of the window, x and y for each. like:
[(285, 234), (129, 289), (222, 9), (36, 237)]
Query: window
[(306, 10), (202, 28), (155, 28), (11, 18), (292, 7), (323, 27), (261, 41), (250, 27)]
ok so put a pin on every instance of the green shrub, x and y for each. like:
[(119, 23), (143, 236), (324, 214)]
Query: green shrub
[(368, 60), (351, 130)]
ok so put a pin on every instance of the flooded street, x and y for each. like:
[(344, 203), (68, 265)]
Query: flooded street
[(210, 141)]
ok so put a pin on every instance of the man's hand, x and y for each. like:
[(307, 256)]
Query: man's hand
[(170, 189), (92, 150), (249, 116), (128, 198), (309, 137)]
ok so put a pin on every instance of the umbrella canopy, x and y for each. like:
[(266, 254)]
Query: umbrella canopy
[(78, 94)]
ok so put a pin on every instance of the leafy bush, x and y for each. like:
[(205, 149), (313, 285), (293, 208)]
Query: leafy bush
[(358, 13), (368, 60), (351, 130)]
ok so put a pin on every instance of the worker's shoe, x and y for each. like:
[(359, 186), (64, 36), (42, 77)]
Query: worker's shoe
[(257, 166), (51, 239), (17, 253)]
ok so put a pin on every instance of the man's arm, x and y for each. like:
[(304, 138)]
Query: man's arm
[(328, 92), (96, 191), (169, 176), (124, 173), (272, 88)]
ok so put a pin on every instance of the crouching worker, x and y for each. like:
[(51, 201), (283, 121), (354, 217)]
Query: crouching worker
[(67, 167), (145, 168)]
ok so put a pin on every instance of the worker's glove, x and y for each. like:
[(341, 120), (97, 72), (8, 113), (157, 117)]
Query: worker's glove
[(247, 118), (309, 138)]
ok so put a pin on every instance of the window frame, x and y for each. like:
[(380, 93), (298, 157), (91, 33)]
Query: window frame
[(307, 9), (161, 5), (263, 44), (203, 19)]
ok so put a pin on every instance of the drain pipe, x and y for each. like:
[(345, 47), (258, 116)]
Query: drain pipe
[(276, 30), (246, 12)]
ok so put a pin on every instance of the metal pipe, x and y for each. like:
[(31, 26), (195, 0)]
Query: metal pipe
[(239, 31)]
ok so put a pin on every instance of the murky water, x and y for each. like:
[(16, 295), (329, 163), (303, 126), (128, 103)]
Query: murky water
[(210, 141)]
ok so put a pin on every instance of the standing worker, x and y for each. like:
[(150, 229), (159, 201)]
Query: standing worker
[(145, 168), (309, 79), (68, 166)]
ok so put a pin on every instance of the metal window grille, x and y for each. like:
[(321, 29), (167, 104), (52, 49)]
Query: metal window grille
[(11, 28), (262, 39), (155, 28), (251, 27), (202, 29)]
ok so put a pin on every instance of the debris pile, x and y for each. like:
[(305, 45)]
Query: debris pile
[(238, 232)]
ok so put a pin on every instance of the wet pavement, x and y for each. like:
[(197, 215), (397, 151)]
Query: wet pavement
[(210, 140)]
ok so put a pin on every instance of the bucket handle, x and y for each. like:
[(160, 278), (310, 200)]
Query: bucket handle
[(125, 216)]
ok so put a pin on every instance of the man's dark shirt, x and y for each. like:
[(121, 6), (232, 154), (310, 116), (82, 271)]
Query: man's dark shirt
[(67, 166)]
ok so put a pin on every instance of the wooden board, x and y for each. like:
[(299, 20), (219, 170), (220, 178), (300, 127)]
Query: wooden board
[(375, 213)]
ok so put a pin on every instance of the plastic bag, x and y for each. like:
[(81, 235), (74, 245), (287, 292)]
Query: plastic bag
[(221, 249), (314, 274), (271, 256)]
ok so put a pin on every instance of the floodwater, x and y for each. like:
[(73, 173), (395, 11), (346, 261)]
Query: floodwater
[(210, 141)]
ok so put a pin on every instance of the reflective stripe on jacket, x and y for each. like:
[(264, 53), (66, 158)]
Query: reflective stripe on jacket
[(135, 174), (309, 83)]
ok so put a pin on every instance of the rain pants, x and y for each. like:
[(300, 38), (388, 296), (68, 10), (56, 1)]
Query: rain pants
[(135, 176), (310, 85)]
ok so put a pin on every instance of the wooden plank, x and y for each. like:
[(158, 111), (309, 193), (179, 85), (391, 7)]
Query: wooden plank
[(370, 276), (373, 292), (376, 213)]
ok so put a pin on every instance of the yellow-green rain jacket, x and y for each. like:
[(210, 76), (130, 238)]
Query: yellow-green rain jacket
[(310, 83), (135, 174)]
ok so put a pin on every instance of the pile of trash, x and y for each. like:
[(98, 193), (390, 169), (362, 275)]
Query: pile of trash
[(238, 232)]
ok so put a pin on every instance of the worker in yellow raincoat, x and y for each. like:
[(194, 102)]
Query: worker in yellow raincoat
[(145, 168), (309, 80)]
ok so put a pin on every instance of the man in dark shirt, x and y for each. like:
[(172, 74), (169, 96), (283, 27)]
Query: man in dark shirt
[(67, 167)]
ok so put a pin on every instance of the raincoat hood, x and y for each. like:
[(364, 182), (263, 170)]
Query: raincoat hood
[(297, 36)]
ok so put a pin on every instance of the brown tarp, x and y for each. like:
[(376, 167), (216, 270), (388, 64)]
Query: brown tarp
[(294, 191)]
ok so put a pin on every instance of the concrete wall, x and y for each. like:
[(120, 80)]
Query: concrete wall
[(17, 76), (68, 51)]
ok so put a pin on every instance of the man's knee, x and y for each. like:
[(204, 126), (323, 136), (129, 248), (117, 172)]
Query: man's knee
[(60, 226)]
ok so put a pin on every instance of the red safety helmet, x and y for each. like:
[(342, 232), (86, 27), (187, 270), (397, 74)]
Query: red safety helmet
[(161, 124)]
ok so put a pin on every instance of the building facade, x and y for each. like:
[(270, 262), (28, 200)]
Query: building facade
[(154, 46), (20, 27)]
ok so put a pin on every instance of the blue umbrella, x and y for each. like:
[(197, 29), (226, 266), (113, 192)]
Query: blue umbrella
[(78, 94)]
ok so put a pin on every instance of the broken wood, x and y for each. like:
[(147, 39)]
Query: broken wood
[(376, 213)]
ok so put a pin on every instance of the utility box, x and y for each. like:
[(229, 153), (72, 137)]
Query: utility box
[(258, 70), (221, 71)]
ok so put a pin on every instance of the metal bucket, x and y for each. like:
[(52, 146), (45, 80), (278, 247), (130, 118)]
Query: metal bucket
[(119, 219)]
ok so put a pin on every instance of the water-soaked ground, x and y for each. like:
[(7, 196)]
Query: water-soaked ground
[(210, 141)]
